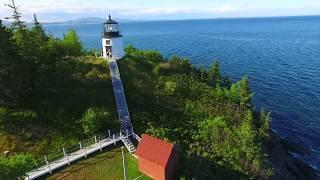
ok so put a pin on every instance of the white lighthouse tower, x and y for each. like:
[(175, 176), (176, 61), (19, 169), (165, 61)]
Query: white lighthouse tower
[(112, 43)]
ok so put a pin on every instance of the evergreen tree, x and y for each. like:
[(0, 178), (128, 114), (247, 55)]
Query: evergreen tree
[(227, 82), (72, 44), (264, 123), (12, 70), (30, 50), (38, 30), (245, 92), (214, 74), (17, 23), (36, 22), (33, 45), (203, 72), (43, 62)]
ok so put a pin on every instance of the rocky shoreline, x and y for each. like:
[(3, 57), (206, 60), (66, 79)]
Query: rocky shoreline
[(281, 154)]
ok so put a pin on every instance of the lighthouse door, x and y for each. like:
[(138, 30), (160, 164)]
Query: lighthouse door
[(109, 51)]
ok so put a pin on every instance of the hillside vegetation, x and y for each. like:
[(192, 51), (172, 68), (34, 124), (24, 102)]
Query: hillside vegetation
[(209, 117), (53, 93)]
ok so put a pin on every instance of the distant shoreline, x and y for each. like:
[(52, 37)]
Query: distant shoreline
[(196, 19), (97, 20)]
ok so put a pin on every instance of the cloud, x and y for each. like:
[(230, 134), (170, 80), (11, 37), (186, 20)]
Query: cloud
[(50, 6), (53, 10), (59, 10), (168, 11), (227, 9)]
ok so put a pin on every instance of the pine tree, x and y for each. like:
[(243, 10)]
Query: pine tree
[(264, 123), (40, 39), (36, 22), (214, 74), (12, 70), (203, 72), (38, 30), (227, 81), (17, 23), (72, 44), (245, 92)]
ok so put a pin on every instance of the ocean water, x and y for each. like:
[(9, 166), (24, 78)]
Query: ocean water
[(281, 56)]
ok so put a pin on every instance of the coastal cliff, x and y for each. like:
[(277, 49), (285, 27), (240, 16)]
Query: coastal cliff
[(287, 166)]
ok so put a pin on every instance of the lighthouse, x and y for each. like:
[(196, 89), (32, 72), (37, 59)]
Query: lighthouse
[(112, 43)]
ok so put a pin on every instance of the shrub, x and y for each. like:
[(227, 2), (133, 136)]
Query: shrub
[(72, 44), (17, 116), (93, 120), (15, 166)]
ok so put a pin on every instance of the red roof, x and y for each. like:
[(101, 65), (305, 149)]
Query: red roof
[(154, 150)]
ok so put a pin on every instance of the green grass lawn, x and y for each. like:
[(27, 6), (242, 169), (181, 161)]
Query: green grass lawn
[(106, 165)]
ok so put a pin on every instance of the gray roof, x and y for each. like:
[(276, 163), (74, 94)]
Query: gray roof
[(110, 21)]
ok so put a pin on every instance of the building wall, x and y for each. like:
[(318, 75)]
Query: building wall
[(116, 45), (151, 169), (171, 166)]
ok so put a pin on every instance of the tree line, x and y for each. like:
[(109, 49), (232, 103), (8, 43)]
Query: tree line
[(28, 58)]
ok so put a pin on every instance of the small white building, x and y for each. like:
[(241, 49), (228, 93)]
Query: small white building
[(112, 44)]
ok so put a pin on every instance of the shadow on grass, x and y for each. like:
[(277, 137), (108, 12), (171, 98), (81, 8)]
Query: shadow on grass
[(196, 167)]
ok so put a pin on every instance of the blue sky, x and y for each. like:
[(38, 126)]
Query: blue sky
[(59, 10)]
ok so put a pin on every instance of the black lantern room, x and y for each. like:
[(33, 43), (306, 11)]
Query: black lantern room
[(111, 28)]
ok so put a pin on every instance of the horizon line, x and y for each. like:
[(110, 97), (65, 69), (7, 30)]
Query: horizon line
[(173, 19)]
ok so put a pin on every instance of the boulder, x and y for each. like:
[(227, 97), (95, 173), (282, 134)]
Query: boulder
[(6, 153)]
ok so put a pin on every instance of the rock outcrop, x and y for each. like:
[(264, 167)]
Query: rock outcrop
[(283, 155)]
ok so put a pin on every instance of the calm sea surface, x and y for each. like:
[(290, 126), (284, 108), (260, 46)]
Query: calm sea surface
[(281, 56)]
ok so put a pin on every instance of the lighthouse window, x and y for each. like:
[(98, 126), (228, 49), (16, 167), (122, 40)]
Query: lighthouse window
[(112, 27), (108, 42)]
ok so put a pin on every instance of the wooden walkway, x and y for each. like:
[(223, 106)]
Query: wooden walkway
[(120, 98), (69, 158), (121, 103)]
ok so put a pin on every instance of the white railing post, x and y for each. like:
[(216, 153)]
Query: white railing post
[(114, 140), (48, 164), (65, 155), (80, 145), (109, 133), (45, 159), (95, 139), (68, 159), (85, 152), (124, 164), (132, 131), (100, 145), (127, 132)]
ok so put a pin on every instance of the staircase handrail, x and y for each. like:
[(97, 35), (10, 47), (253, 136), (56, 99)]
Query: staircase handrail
[(136, 137)]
